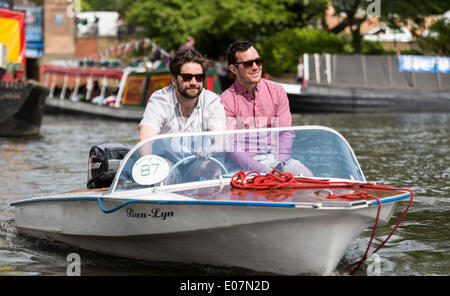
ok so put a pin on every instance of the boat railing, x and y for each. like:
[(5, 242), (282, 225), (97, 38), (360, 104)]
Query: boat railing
[(89, 73), (130, 86)]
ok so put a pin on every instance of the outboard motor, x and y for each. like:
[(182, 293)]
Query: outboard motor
[(104, 161)]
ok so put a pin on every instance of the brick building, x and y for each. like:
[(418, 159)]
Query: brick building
[(59, 28), (61, 38)]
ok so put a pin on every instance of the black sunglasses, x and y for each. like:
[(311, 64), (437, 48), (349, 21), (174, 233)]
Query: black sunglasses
[(188, 77), (249, 63)]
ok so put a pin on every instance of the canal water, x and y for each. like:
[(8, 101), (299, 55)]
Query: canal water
[(401, 150)]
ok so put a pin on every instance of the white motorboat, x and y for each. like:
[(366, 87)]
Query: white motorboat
[(176, 198)]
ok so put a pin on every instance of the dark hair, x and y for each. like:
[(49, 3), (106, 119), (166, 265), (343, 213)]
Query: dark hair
[(237, 46), (188, 55)]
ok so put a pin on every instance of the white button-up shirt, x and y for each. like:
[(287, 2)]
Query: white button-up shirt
[(163, 113)]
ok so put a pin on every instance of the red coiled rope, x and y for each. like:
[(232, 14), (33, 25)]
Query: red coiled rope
[(279, 180)]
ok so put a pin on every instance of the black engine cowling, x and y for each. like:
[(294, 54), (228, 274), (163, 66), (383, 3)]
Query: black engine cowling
[(104, 161)]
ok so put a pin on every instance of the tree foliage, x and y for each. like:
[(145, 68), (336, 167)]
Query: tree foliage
[(395, 13), (401, 12), (213, 23), (278, 27), (99, 5), (304, 12), (282, 50), (439, 40), (412, 13)]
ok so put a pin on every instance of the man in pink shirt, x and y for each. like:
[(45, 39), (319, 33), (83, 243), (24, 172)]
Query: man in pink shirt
[(254, 102)]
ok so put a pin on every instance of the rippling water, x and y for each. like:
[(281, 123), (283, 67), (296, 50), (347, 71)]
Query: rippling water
[(401, 150)]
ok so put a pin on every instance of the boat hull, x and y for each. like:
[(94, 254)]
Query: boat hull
[(278, 240), (125, 113), (319, 98), (22, 108)]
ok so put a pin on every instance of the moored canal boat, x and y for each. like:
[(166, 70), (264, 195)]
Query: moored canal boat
[(115, 93), (21, 101)]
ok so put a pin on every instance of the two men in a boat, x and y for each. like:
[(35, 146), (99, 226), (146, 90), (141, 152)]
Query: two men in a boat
[(251, 102)]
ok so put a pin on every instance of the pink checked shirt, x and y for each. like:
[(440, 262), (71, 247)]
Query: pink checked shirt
[(270, 108)]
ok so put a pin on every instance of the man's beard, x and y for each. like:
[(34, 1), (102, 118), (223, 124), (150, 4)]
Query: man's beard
[(191, 95)]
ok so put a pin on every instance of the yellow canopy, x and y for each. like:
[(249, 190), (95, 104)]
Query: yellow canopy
[(12, 31)]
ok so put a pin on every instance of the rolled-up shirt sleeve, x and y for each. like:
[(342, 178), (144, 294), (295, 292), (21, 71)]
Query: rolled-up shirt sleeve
[(155, 111), (245, 161)]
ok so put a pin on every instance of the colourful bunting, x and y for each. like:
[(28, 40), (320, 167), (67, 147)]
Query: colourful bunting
[(129, 47)]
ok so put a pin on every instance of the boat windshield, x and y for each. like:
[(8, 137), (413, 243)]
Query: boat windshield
[(309, 151)]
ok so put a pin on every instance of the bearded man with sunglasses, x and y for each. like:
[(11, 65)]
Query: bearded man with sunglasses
[(183, 106), (254, 102)]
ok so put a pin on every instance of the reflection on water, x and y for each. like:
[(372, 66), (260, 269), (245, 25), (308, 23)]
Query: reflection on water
[(401, 150)]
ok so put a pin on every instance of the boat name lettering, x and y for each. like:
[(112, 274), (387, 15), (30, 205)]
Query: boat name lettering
[(11, 85), (10, 96), (153, 213)]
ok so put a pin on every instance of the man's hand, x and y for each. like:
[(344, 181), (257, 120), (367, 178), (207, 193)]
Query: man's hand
[(276, 165), (279, 165), (203, 154)]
